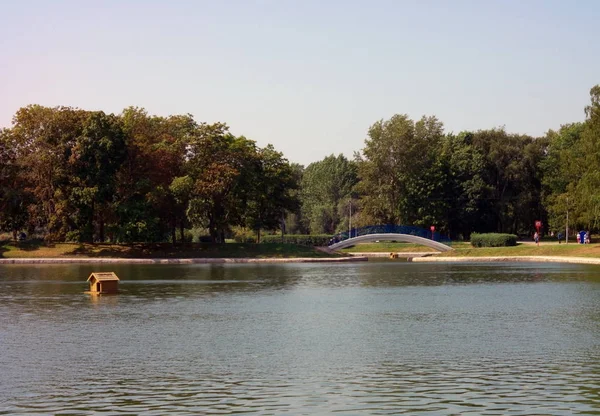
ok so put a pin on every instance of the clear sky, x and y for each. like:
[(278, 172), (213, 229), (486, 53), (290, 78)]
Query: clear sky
[(308, 76)]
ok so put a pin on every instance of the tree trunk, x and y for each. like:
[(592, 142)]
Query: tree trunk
[(282, 227), (101, 227), (181, 231), (173, 231), (91, 224), (258, 236), (212, 230)]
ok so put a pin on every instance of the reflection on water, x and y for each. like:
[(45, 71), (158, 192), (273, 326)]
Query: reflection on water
[(365, 338)]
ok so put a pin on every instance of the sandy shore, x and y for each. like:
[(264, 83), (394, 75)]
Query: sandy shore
[(531, 259), (93, 260)]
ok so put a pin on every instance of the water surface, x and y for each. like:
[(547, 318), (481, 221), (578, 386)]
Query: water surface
[(364, 338)]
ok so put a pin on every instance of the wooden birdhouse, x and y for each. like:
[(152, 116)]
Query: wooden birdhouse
[(103, 283)]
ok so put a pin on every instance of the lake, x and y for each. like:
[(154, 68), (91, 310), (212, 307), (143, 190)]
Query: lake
[(380, 337)]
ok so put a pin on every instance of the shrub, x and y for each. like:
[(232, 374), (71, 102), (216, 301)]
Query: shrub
[(244, 235), (205, 239), (299, 239), (188, 236), (493, 240)]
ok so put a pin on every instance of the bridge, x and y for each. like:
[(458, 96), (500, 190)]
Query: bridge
[(403, 233)]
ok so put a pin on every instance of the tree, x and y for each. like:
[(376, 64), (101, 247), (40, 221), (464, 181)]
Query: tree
[(14, 198), (294, 221), (400, 171), (147, 208), (220, 166), (43, 141), (560, 173), (96, 157), (510, 201), (465, 187), (586, 161), (272, 191), (325, 186)]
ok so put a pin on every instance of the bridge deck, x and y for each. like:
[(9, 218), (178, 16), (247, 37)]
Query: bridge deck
[(406, 238)]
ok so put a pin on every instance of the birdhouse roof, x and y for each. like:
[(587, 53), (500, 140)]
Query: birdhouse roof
[(103, 276)]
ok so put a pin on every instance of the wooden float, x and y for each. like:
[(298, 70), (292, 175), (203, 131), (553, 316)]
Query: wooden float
[(103, 283)]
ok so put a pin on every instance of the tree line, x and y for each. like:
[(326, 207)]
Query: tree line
[(77, 175), (89, 176)]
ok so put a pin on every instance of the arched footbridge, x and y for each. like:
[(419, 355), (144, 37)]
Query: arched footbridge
[(402, 233)]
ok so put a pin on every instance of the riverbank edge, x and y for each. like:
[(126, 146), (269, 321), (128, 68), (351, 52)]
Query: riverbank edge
[(492, 259), (400, 254), (212, 260)]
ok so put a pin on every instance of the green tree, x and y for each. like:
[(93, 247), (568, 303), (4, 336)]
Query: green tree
[(511, 200), (326, 186), (14, 197), (96, 157), (272, 191), (560, 173), (465, 187), (294, 221), (147, 208), (400, 172), (586, 163), (44, 138), (220, 166)]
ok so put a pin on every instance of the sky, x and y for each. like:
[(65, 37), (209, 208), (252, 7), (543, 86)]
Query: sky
[(308, 76)]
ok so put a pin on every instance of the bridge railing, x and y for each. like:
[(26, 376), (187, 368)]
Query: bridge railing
[(390, 229)]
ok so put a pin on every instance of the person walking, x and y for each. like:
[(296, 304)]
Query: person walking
[(536, 238)]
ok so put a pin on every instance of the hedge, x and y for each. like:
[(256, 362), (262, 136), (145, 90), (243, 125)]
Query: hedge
[(299, 239), (493, 240)]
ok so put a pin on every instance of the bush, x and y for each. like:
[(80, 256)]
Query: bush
[(205, 239), (188, 236), (493, 240), (299, 239), (244, 235)]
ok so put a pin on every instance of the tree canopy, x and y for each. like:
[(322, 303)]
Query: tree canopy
[(76, 175)]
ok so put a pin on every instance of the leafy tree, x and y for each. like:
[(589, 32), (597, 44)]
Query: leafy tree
[(586, 163), (400, 171), (96, 157), (14, 198), (326, 186), (43, 141), (272, 191), (294, 221), (465, 187), (147, 209), (220, 166), (560, 173)]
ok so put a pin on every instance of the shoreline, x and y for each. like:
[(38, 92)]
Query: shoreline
[(353, 258), (199, 260), (400, 254), (506, 259)]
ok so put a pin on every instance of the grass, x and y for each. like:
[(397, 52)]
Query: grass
[(38, 249), (464, 249), (386, 247), (544, 249)]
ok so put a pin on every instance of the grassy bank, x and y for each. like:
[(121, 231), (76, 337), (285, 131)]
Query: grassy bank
[(389, 247), (544, 249), (38, 249), (466, 250)]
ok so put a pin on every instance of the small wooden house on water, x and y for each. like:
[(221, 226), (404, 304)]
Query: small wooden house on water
[(103, 283)]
